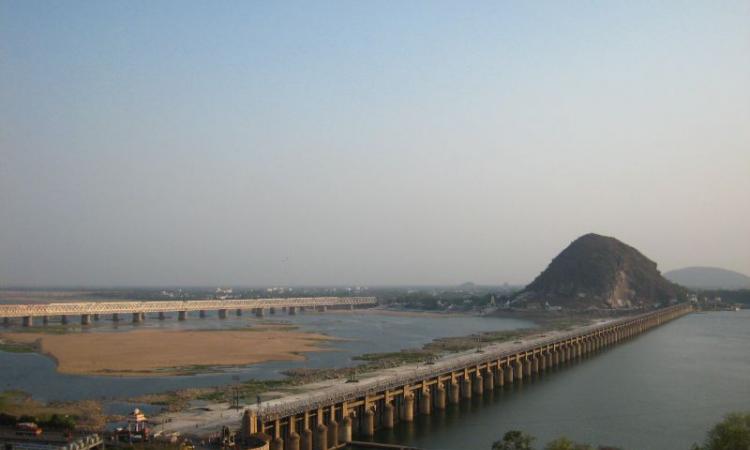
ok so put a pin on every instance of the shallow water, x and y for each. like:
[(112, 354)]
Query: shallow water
[(660, 391)]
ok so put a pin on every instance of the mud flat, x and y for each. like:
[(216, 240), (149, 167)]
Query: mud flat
[(166, 353)]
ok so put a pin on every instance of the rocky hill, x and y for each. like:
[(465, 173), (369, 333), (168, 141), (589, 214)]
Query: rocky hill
[(708, 278), (601, 272)]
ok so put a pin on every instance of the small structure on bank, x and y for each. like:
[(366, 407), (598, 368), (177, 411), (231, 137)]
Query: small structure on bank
[(137, 430)]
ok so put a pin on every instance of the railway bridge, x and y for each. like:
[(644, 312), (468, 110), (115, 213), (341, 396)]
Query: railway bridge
[(326, 419), (89, 311)]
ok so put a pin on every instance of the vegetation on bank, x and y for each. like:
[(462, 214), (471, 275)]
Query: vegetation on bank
[(369, 362), (18, 347), (18, 406), (732, 433)]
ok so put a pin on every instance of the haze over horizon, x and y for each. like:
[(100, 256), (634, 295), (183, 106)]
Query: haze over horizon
[(188, 143)]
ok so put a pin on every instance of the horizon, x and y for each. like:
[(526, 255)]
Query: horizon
[(177, 144)]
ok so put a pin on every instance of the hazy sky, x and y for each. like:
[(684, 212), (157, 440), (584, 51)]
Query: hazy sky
[(208, 143)]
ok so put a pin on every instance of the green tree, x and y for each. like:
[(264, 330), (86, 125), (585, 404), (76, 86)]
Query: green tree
[(563, 443), (514, 440), (732, 433)]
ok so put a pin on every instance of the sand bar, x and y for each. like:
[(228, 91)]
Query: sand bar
[(160, 352)]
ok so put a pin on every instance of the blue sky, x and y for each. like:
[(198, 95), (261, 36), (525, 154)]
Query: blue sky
[(366, 142)]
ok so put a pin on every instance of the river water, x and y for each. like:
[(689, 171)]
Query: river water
[(363, 333), (659, 391)]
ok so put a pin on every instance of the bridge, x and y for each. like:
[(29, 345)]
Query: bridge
[(327, 418), (91, 310)]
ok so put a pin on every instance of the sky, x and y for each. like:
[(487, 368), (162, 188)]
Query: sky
[(161, 143)]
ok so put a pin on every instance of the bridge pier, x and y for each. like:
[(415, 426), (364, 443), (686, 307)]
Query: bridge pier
[(222, 314), (478, 384), (238, 312), (272, 310), (489, 380), (388, 415), (518, 370), (28, 321), (534, 365), (45, 320), (306, 439), (6, 321), (454, 393), (96, 317), (425, 403), (466, 387), (527, 368), (368, 425), (64, 319), (137, 317), (345, 430), (202, 313), (259, 312), (333, 429), (542, 358), (500, 378), (440, 397), (115, 317), (407, 412), (292, 441), (182, 315), (162, 316), (321, 437), (509, 372), (85, 319), (292, 310)]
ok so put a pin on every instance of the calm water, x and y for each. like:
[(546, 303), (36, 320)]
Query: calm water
[(661, 391), (364, 333)]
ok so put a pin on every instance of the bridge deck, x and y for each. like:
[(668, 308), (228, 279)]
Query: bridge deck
[(52, 309)]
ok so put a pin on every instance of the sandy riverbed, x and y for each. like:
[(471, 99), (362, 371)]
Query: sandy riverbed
[(158, 352)]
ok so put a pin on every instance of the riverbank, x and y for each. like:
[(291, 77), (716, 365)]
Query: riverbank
[(168, 352)]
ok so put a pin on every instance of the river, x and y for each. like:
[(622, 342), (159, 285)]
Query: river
[(362, 333), (662, 390)]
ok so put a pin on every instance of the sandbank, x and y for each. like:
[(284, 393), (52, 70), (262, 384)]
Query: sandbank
[(168, 352)]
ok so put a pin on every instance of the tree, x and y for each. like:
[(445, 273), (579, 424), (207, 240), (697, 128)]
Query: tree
[(563, 443), (514, 440), (732, 433)]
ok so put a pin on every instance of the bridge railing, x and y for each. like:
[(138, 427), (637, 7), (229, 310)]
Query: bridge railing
[(456, 363)]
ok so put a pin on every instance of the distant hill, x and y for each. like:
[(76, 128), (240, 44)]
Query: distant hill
[(709, 278), (600, 271)]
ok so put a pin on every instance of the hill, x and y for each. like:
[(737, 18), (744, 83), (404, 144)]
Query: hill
[(601, 272), (709, 278)]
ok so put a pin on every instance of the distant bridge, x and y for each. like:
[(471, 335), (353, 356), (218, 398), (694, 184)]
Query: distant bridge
[(88, 309)]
